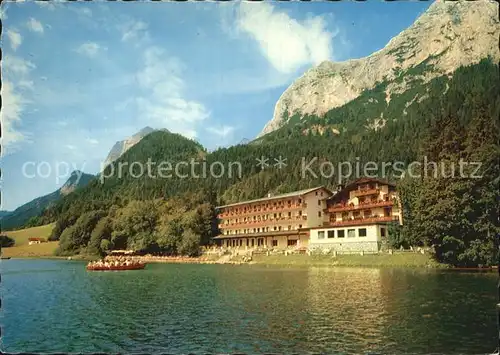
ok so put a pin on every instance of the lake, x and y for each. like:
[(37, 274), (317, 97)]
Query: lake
[(57, 306)]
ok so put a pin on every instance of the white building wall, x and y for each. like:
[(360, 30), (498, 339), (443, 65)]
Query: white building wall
[(316, 203), (371, 242)]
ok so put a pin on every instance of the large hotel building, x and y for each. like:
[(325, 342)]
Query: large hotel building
[(355, 218)]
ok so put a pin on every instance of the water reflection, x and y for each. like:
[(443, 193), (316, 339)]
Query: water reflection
[(250, 309), (347, 309)]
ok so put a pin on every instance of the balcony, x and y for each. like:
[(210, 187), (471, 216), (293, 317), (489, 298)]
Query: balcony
[(361, 220), (365, 192), (262, 210), (264, 223), (340, 207)]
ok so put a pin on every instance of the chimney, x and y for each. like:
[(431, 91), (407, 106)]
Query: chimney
[(269, 195)]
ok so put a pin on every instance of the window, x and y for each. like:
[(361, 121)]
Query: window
[(341, 234), (300, 213), (321, 235), (351, 233), (289, 214), (241, 242), (382, 232), (319, 202), (292, 242), (316, 193), (362, 232), (300, 225), (319, 213), (300, 200), (275, 243), (289, 228), (331, 234)]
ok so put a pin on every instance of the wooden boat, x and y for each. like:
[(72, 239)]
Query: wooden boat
[(116, 268), (5, 258)]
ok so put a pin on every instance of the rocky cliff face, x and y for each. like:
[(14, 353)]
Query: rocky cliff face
[(448, 35), (77, 179), (122, 146)]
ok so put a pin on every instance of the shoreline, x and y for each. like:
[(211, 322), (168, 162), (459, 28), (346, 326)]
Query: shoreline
[(397, 260)]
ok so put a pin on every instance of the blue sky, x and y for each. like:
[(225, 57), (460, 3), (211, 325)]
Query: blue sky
[(77, 77)]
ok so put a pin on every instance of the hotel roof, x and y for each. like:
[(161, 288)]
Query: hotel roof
[(277, 197)]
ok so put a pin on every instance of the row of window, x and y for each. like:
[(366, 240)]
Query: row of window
[(257, 242), (264, 217), (262, 230), (267, 205), (351, 233)]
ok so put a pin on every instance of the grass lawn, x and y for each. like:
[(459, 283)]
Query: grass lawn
[(376, 260), (23, 249)]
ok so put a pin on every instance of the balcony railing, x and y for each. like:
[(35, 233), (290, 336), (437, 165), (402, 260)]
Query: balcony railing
[(350, 207), (364, 192), (261, 210), (361, 220), (268, 222)]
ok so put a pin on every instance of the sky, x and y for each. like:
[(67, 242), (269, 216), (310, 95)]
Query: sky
[(79, 76)]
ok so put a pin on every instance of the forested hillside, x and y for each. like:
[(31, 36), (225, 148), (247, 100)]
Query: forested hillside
[(27, 215), (373, 127)]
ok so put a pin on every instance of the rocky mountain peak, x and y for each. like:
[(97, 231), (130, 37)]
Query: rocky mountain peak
[(121, 147), (448, 35)]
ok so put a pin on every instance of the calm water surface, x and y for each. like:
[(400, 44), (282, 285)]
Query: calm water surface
[(52, 305)]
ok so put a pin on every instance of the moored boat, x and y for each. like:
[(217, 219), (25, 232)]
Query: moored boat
[(135, 266)]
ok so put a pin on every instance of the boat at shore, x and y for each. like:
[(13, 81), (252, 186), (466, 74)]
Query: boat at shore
[(5, 258), (135, 266)]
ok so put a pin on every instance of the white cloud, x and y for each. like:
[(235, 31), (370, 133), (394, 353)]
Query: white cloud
[(90, 49), (3, 14), (26, 84), (222, 131), (14, 38), (15, 86), (70, 147), (134, 31), (86, 11), (47, 4), (35, 25), (164, 104), (287, 43), (92, 141), (16, 65), (13, 105)]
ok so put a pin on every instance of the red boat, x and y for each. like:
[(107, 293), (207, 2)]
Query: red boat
[(116, 268)]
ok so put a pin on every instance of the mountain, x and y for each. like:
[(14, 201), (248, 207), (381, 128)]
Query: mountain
[(431, 107), (122, 146), (448, 35), (134, 181), (21, 215), (4, 213)]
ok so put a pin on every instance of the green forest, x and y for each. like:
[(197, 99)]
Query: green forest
[(444, 120)]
